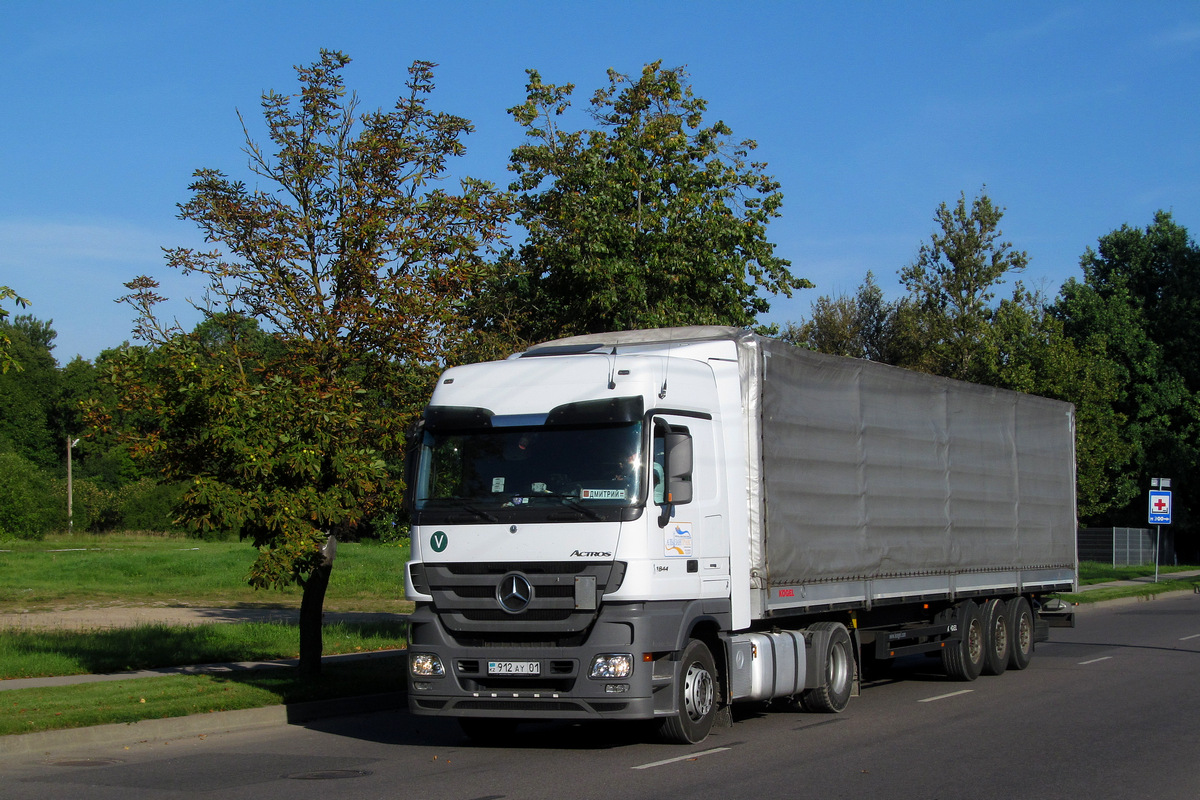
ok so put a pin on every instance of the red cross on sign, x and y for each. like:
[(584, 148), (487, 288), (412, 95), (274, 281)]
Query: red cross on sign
[(1160, 508)]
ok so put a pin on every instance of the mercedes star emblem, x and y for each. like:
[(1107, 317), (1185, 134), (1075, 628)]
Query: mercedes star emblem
[(514, 593)]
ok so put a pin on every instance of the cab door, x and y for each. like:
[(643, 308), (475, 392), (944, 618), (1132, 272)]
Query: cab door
[(686, 493)]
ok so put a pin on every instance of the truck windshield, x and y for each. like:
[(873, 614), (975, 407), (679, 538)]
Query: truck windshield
[(585, 467)]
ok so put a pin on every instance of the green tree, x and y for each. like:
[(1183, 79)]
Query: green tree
[(952, 286), (861, 326), (653, 218), (7, 361), (29, 396), (100, 458), (1137, 306), (354, 254), (29, 499)]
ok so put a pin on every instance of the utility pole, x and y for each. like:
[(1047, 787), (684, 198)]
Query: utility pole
[(70, 488)]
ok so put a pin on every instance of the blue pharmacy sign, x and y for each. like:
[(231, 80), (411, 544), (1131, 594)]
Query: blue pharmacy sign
[(1160, 508)]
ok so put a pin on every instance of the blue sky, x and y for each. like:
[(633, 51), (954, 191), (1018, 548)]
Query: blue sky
[(1078, 116)]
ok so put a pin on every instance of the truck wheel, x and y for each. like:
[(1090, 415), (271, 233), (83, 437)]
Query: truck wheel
[(963, 660), (487, 730), (838, 681), (695, 697), (997, 640), (1020, 624)]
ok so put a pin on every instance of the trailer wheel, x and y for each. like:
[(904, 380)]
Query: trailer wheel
[(964, 659), (997, 639), (837, 683), (695, 697), (1020, 624)]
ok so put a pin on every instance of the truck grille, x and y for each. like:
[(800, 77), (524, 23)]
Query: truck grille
[(563, 598)]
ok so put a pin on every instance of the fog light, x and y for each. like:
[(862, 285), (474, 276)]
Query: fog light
[(426, 665), (612, 665), (616, 688)]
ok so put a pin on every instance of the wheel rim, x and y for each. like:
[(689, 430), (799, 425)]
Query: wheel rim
[(839, 669), (698, 692), (1024, 633), (975, 641), (1000, 638)]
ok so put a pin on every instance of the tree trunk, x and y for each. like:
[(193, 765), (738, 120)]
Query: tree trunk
[(312, 605)]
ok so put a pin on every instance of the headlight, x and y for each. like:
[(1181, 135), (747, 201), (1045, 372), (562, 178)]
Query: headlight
[(426, 665), (612, 665)]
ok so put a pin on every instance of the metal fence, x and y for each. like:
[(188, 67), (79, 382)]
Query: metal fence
[(1124, 546)]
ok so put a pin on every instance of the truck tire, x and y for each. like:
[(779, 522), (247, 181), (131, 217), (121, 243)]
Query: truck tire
[(1020, 624), (695, 697), (963, 660), (837, 683), (997, 639)]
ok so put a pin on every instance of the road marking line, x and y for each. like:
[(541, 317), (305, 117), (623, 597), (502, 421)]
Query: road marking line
[(1193, 636), (690, 757), (1094, 661), (945, 696)]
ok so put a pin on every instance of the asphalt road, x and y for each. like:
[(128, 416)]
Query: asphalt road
[(1110, 709)]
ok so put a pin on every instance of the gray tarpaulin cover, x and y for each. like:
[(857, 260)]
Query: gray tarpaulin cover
[(857, 470), (871, 471)]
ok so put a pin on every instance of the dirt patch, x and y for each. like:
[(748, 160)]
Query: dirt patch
[(132, 616)]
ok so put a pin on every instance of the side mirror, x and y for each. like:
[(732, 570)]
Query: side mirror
[(677, 455)]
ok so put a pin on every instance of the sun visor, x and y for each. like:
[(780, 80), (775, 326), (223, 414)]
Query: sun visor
[(598, 412)]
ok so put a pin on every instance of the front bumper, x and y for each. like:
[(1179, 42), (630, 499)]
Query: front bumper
[(562, 689)]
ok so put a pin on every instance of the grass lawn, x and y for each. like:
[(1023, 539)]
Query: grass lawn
[(41, 653), (89, 571), (1092, 573), (82, 705), (139, 570)]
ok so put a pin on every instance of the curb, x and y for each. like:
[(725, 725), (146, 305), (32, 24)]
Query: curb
[(44, 743)]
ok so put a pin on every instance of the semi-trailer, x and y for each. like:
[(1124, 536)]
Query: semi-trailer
[(658, 524)]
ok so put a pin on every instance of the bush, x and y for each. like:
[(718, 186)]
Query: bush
[(94, 508), (390, 529), (150, 506), (30, 505)]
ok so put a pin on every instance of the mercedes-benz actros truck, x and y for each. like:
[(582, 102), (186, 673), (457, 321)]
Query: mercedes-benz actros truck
[(654, 525)]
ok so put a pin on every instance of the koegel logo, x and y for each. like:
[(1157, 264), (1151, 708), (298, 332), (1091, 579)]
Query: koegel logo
[(787, 592), (590, 554)]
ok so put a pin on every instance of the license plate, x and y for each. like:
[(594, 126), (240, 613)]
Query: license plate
[(514, 668)]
